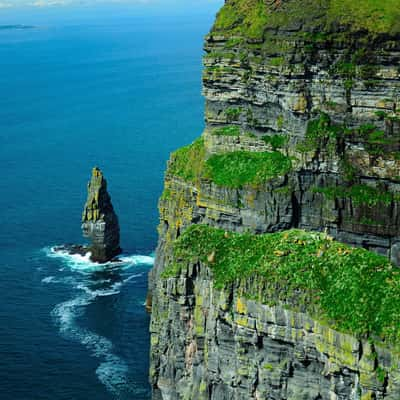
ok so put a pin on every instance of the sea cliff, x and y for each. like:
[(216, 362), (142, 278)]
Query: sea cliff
[(302, 135)]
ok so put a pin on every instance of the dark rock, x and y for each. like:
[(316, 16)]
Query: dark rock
[(212, 344), (99, 221)]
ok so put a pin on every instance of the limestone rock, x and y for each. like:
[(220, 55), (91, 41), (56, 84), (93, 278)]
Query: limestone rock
[(99, 221), (303, 66), (212, 344)]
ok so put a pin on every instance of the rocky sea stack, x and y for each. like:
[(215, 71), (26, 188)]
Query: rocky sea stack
[(99, 221), (275, 273)]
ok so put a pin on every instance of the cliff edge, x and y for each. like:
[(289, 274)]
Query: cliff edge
[(280, 226)]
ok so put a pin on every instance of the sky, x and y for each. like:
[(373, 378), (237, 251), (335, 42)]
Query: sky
[(7, 4), (39, 12)]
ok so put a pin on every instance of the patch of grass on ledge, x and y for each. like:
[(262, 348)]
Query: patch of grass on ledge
[(233, 170), (360, 194), (355, 290), (229, 130), (188, 162), (276, 141), (241, 168)]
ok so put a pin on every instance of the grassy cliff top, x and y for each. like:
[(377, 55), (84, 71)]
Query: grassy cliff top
[(251, 18), (355, 290)]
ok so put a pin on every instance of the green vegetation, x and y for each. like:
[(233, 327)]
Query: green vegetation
[(229, 130), (280, 121), (216, 71), (276, 61), (233, 42), (320, 133), (361, 195), (276, 141), (251, 18), (355, 290), (268, 367), (348, 169), (188, 162), (243, 17), (376, 141), (232, 170), (376, 16), (166, 194), (246, 168), (220, 55), (233, 114), (323, 134)]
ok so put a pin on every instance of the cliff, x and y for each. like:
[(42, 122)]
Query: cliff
[(302, 132)]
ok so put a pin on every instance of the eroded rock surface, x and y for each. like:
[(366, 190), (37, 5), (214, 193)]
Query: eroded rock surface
[(99, 221), (215, 344), (328, 87)]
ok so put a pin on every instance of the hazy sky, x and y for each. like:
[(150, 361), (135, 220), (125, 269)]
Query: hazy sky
[(59, 3)]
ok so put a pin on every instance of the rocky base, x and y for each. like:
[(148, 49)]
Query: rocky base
[(78, 249)]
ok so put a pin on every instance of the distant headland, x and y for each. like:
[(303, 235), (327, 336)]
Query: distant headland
[(10, 27)]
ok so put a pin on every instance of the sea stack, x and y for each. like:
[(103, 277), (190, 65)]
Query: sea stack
[(99, 221)]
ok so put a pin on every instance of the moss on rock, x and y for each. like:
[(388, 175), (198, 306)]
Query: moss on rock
[(355, 290)]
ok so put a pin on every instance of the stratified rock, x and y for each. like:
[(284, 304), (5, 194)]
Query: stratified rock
[(318, 81), (99, 221)]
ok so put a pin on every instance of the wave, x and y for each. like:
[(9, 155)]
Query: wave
[(93, 280), (85, 265), (67, 280), (113, 370)]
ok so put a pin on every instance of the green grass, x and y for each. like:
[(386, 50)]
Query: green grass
[(361, 195), (251, 18), (232, 170), (377, 16), (188, 162), (233, 113), (354, 290), (276, 141), (276, 61), (241, 168), (229, 130), (243, 17), (321, 133)]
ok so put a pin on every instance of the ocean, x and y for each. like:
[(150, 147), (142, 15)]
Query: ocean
[(120, 91)]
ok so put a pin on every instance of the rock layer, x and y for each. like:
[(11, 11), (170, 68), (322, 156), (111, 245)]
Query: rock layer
[(215, 344), (99, 221), (323, 88)]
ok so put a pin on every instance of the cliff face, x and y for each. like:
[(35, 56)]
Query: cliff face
[(215, 344), (302, 131)]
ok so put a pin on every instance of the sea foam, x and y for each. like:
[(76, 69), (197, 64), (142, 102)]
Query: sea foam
[(113, 370), (83, 264)]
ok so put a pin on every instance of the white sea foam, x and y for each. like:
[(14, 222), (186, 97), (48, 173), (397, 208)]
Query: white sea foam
[(113, 374), (84, 264), (112, 370), (137, 260), (48, 279), (110, 291), (129, 278), (68, 280)]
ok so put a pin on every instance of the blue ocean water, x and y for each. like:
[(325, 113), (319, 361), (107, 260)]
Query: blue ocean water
[(119, 92)]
